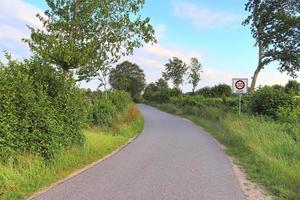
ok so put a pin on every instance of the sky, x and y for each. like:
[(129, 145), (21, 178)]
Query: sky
[(210, 30)]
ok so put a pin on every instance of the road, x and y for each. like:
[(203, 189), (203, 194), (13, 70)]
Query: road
[(172, 159)]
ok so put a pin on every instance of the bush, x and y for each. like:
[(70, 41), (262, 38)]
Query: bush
[(103, 111), (104, 108), (268, 100), (40, 110), (221, 90), (120, 99)]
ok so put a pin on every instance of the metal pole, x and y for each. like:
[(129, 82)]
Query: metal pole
[(240, 104)]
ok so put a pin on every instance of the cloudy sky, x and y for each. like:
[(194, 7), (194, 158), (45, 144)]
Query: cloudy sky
[(209, 30)]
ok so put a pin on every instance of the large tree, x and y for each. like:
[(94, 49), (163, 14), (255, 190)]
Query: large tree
[(194, 73), (129, 77), (275, 25), (175, 69), (86, 35)]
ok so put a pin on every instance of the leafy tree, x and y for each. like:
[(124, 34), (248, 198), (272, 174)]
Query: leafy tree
[(86, 35), (278, 87), (161, 84), (175, 70), (149, 92), (129, 77), (292, 87), (194, 73), (221, 90), (275, 26), (205, 91)]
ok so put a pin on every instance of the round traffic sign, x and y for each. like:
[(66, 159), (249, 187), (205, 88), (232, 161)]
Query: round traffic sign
[(240, 84)]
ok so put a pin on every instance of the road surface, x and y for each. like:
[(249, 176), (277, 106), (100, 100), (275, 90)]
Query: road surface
[(172, 159)]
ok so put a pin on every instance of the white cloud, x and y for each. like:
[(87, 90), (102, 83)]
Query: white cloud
[(14, 16), (21, 11), (202, 17)]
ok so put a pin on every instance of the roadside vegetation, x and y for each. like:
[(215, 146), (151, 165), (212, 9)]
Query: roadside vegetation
[(49, 126), (265, 138)]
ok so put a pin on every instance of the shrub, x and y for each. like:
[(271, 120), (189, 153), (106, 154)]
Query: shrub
[(103, 111), (120, 99), (267, 101), (41, 111), (293, 87), (206, 92), (221, 90)]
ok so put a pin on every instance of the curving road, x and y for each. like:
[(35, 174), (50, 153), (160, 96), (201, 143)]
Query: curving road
[(172, 159)]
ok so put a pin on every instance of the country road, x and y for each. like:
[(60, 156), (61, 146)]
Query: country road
[(172, 159)]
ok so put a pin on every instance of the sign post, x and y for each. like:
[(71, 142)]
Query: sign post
[(240, 87)]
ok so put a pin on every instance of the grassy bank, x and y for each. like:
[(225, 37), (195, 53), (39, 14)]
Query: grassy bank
[(267, 150), (20, 178)]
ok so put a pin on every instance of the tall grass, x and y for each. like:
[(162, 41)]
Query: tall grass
[(26, 174), (267, 150)]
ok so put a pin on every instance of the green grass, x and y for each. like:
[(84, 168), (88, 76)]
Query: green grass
[(265, 149), (21, 178)]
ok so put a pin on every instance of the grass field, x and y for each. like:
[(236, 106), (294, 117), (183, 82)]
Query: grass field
[(27, 174), (267, 150)]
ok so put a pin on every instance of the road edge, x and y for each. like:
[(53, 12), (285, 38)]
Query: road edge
[(251, 190), (76, 173)]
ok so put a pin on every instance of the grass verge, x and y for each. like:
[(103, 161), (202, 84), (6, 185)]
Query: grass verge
[(265, 149), (20, 179)]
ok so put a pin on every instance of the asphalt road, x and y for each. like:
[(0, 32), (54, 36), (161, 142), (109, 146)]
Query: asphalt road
[(172, 159)]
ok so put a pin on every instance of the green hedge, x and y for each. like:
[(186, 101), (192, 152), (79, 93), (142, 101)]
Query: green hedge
[(104, 108), (41, 111)]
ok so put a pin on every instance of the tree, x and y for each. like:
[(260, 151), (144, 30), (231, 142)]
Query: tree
[(275, 26), (221, 90), (194, 73), (292, 87), (129, 77), (150, 91), (175, 70), (161, 84), (85, 35)]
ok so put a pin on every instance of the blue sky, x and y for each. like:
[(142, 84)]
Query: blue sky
[(210, 30)]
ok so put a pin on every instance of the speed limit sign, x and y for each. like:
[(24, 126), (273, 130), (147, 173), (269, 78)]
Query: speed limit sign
[(239, 85)]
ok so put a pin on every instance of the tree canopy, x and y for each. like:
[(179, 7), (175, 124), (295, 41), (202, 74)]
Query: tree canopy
[(175, 70), (275, 25), (87, 35), (129, 77), (194, 73)]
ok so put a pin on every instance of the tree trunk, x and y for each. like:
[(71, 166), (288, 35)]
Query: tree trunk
[(259, 67), (254, 78)]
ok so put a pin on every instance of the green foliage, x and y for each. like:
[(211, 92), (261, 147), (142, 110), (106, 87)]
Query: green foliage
[(206, 92), (105, 109), (292, 87), (268, 100), (194, 72), (90, 34), (275, 27), (128, 77), (25, 175), (221, 90), (175, 70), (41, 112), (149, 92), (268, 151)]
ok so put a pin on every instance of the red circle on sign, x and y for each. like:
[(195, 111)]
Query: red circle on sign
[(240, 84)]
